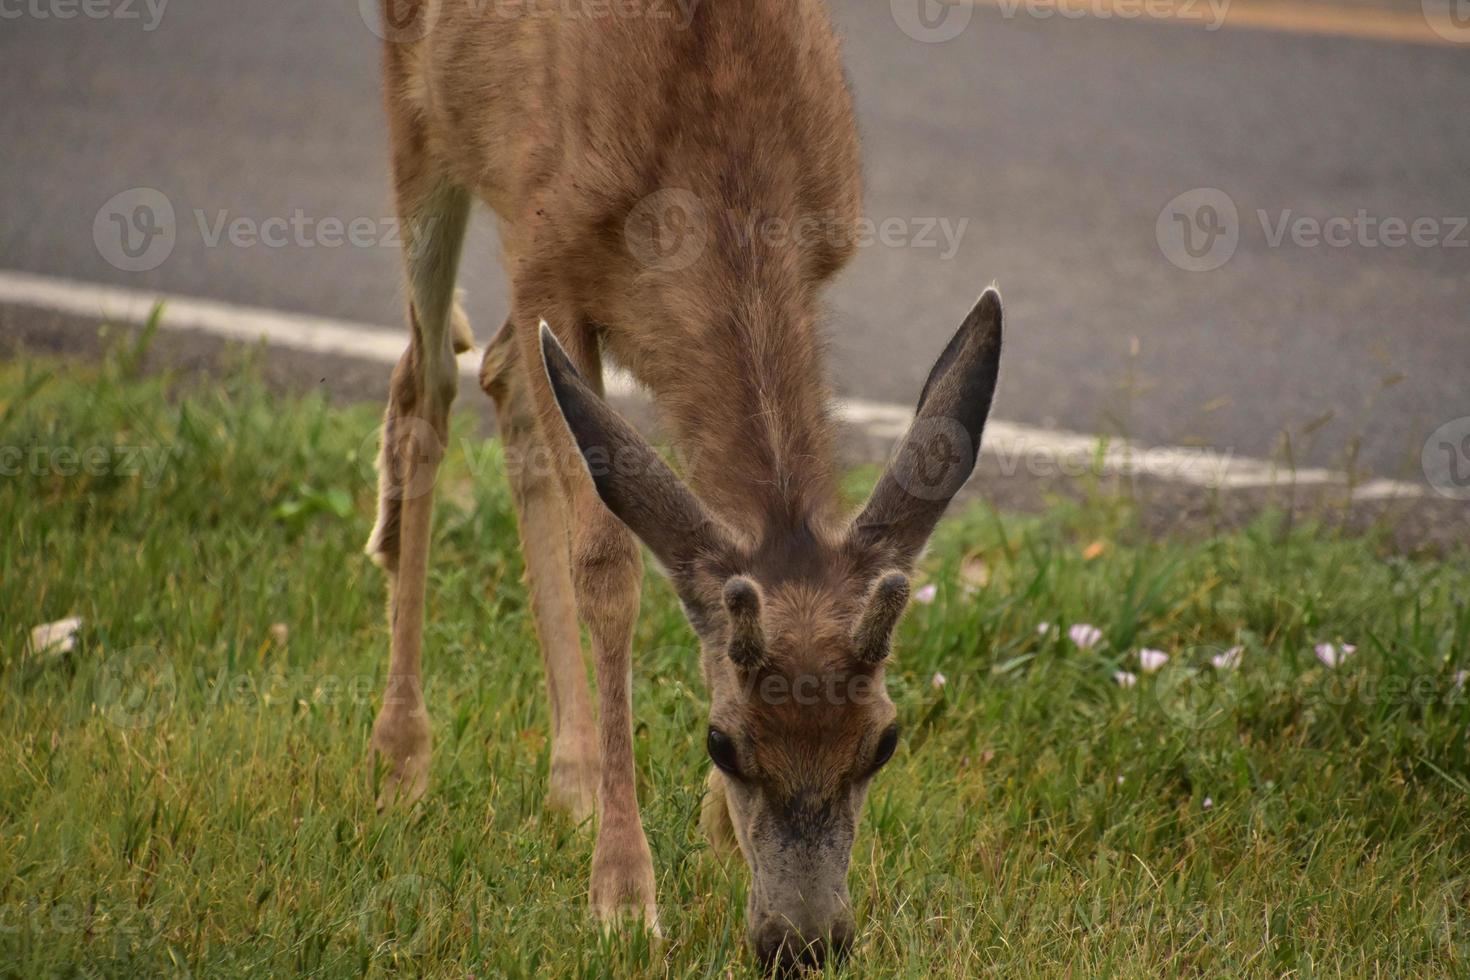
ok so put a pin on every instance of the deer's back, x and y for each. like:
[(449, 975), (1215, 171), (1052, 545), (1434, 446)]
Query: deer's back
[(563, 122)]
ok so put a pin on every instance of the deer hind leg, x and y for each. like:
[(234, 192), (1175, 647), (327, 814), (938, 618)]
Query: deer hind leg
[(415, 434), (607, 576), (546, 545)]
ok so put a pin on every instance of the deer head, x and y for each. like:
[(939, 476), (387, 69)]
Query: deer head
[(795, 622)]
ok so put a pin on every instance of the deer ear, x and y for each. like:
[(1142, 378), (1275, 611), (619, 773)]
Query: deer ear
[(630, 476), (938, 454)]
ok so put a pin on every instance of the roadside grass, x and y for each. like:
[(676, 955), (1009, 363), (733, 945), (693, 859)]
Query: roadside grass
[(185, 790)]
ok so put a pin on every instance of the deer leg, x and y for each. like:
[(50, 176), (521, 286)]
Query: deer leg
[(607, 576), (546, 546), (415, 434)]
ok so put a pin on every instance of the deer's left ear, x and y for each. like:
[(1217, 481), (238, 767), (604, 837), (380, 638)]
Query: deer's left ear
[(938, 454), (630, 476)]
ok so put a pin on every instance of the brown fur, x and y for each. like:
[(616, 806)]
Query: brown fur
[(577, 130)]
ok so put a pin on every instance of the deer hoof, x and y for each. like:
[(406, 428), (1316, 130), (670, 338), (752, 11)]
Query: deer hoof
[(400, 744), (573, 782), (622, 891)]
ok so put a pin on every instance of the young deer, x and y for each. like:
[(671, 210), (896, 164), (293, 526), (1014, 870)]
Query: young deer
[(568, 126)]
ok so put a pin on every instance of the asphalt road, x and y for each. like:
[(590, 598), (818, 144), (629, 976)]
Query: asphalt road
[(1037, 152)]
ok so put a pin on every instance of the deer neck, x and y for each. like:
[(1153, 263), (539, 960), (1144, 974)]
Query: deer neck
[(751, 410)]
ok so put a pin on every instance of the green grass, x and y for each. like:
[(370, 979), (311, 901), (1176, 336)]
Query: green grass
[(185, 790)]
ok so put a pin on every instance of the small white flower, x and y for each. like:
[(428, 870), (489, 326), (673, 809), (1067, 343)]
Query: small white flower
[(1229, 660), (1332, 656), (1046, 629), (56, 638), (1209, 803), (1085, 635), (938, 681), (1152, 660), (927, 593), (1120, 780), (1124, 678)]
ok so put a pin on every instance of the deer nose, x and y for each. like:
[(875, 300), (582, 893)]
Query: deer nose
[(783, 951)]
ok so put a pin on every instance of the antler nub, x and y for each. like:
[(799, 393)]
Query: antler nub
[(743, 606), (886, 603)]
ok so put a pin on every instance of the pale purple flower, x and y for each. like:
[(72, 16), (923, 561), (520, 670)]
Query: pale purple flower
[(1085, 635), (1333, 656), (56, 638), (1461, 676), (1046, 629), (1124, 678), (1209, 803), (926, 593), (938, 681), (1151, 660), (1229, 660)]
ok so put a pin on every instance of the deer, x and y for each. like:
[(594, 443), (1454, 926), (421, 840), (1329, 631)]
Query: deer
[(566, 125)]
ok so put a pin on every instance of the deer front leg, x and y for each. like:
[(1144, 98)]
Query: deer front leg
[(607, 573), (546, 547)]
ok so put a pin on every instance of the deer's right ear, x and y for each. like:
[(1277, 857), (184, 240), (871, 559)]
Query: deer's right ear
[(630, 476)]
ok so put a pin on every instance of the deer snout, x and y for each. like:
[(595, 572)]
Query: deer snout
[(781, 948)]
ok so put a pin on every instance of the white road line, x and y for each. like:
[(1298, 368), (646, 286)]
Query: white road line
[(1016, 447)]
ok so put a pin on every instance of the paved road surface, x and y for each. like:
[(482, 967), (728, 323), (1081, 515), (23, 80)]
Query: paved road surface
[(1048, 149)]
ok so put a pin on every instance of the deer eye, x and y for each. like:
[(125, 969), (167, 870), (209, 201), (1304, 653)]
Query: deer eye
[(887, 745), (722, 751)]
